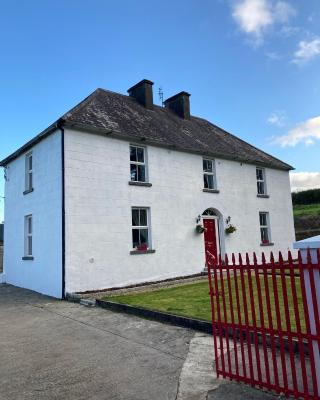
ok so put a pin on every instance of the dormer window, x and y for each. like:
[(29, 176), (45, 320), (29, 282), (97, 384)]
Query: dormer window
[(28, 173), (138, 172)]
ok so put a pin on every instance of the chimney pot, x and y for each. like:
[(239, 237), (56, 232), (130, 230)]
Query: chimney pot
[(142, 92)]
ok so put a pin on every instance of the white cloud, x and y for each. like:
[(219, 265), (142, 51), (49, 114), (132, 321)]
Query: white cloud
[(307, 51), (306, 132), (277, 118), (254, 17), (304, 180)]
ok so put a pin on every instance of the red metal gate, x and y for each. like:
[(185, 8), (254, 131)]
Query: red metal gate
[(265, 319)]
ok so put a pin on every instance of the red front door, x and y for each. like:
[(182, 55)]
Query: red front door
[(210, 240)]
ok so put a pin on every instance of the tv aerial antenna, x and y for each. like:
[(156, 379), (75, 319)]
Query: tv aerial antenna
[(160, 93)]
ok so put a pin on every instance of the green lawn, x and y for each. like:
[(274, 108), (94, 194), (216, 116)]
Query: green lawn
[(306, 209), (193, 300)]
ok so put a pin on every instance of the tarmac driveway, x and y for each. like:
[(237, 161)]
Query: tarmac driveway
[(51, 349)]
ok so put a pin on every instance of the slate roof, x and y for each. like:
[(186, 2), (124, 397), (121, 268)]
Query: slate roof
[(122, 116)]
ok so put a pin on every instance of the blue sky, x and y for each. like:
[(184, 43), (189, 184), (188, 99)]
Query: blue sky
[(251, 66)]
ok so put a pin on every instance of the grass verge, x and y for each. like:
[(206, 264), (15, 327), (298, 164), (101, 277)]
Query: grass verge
[(193, 300), (306, 209)]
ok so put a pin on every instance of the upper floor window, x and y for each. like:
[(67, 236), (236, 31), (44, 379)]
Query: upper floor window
[(209, 178), (28, 236), (140, 229), (265, 227), (138, 166), (261, 181), (28, 172)]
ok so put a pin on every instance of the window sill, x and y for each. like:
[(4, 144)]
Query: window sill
[(211, 190), (142, 252), (134, 183), (30, 258), (28, 191), (266, 244), (263, 196)]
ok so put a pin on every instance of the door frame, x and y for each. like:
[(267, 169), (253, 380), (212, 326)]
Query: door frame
[(216, 218), (219, 228)]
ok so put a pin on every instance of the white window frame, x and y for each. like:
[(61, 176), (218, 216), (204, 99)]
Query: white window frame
[(28, 234), (263, 181), (28, 172), (267, 226), (147, 209), (212, 173), (137, 163)]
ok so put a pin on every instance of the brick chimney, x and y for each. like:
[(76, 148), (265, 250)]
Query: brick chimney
[(180, 104), (142, 92)]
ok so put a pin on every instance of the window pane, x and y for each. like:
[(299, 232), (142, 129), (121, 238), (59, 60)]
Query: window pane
[(30, 162), (135, 238), (259, 174), (264, 235), (143, 236), (260, 186), (204, 163), (133, 172), (205, 181), (263, 219), (207, 166), (30, 180), (133, 153), (29, 250), (141, 173), (135, 217), (29, 220), (140, 154), (208, 181), (143, 217)]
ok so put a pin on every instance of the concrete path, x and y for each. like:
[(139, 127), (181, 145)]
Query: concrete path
[(198, 380), (51, 349)]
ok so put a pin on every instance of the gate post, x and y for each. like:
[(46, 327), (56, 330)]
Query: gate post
[(312, 245)]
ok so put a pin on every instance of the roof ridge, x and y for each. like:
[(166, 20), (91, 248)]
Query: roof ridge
[(131, 98)]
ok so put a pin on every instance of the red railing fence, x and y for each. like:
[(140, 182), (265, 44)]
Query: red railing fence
[(266, 324)]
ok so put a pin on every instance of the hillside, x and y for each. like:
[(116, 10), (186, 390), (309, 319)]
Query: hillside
[(306, 211)]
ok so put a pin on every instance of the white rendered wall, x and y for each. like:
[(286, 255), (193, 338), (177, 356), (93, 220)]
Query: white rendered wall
[(99, 201), (43, 274)]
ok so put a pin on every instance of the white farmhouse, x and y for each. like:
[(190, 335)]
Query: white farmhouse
[(110, 195)]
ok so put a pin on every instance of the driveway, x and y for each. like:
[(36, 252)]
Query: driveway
[(51, 349)]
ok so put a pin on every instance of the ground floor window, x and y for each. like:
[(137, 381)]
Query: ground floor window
[(140, 229), (264, 227), (28, 235)]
